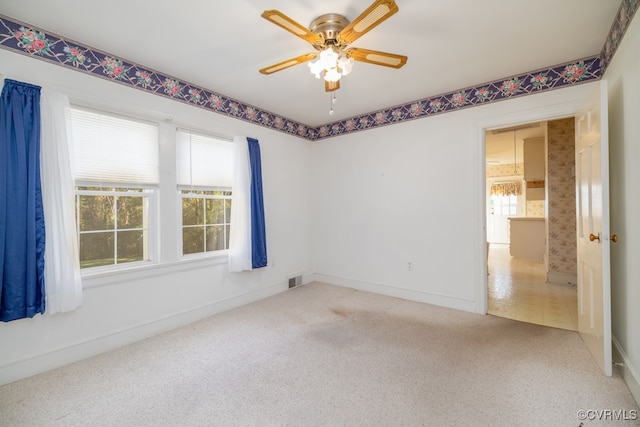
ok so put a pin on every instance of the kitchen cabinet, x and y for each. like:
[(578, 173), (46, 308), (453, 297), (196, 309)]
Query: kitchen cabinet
[(534, 167), (527, 238), (534, 159)]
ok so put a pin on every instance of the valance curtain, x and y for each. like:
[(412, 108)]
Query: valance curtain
[(247, 241), (513, 188), (22, 228), (62, 264)]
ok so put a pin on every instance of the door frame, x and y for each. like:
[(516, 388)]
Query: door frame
[(515, 118)]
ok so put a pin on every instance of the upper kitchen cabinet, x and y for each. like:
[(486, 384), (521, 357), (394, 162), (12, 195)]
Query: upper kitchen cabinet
[(534, 159)]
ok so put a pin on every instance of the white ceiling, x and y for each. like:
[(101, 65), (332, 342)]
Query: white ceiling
[(221, 45)]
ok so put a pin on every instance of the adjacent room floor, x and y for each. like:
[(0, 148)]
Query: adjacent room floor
[(517, 290)]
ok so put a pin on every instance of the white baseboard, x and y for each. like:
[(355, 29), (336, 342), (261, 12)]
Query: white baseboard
[(562, 278), (394, 291), (629, 372), (19, 369)]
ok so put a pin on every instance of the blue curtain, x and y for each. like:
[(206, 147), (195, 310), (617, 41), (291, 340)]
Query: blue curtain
[(258, 234), (22, 238)]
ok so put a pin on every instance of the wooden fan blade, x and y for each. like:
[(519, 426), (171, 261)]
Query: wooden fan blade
[(378, 12), (283, 21), (289, 63), (331, 86), (375, 57)]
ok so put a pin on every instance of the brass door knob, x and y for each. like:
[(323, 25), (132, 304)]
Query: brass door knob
[(593, 237), (614, 238)]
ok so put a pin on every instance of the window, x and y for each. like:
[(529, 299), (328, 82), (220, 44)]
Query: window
[(113, 225), (204, 188), (504, 205), (206, 218), (116, 168)]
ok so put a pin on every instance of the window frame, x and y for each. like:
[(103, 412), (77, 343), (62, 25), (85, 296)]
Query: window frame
[(149, 195)]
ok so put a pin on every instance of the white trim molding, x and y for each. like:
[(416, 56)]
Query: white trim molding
[(562, 278), (629, 372), (398, 292)]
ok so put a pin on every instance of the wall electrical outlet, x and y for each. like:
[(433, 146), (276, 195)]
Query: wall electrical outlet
[(409, 266)]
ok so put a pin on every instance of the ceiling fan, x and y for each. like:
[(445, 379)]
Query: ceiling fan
[(330, 34)]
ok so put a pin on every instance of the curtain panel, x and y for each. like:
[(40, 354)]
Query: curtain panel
[(62, 261), (247, 241), (258, 232), (22, 228)]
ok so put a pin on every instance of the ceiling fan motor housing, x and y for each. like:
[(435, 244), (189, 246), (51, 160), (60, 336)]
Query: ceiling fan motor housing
[(328, 26)]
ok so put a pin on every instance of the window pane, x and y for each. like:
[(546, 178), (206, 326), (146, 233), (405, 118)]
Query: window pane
[(192, 240), (192, 211), (215, 238), (130, 246), (96, 213), (96, 249), (227, 210), (215, 211), (130, 214)]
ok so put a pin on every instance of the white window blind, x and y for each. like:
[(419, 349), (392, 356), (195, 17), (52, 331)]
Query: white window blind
[(203, 161), (108, 148)]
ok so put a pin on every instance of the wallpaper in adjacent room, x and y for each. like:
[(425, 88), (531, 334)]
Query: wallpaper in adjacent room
[(497, 171), (535, 208), (561, 196)]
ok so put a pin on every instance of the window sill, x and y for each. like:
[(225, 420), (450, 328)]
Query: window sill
[(147, 270)]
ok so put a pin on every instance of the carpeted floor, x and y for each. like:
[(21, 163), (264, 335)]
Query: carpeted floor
[(321, 355)]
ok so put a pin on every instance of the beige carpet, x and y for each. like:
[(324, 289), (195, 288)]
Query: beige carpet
[(321, 355)]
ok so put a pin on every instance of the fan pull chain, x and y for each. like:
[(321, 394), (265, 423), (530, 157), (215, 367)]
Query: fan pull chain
[(333, 101)]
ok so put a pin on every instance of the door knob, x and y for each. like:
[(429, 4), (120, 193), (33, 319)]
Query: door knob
[(614, 238), (593, 237)]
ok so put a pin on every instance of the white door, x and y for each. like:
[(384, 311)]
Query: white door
[(593, 250), (500, 209)]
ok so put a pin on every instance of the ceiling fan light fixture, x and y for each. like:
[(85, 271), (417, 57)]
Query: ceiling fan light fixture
[(331, 34), (331, 64), (345, 64), (328, 58), (332, 75), (316, 68)]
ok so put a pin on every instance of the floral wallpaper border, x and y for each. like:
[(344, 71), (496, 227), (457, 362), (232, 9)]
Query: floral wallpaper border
[(31, 41), (568, 74), (625, 14), (37, 43)]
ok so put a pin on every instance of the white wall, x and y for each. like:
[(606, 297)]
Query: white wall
[(415, 193), (123, 307), (623, 76)]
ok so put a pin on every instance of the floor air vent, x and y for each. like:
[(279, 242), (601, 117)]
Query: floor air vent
[(295, 281)]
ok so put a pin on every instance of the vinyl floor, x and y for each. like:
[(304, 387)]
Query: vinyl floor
[(517, 290)]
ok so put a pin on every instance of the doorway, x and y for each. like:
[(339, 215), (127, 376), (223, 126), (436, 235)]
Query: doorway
[(526, 286)]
